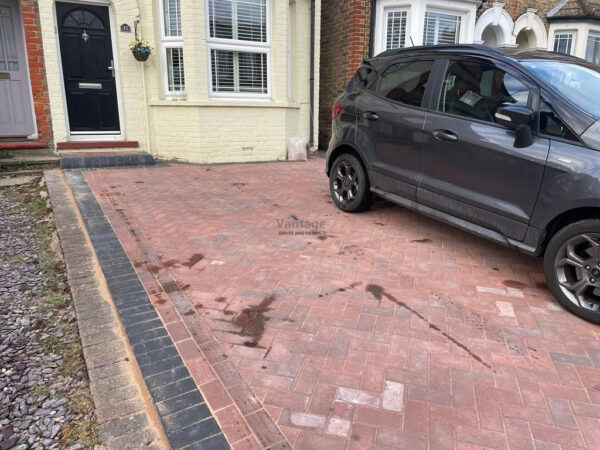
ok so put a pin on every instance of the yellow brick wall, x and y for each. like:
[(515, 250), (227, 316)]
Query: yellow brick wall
[(200, 128)]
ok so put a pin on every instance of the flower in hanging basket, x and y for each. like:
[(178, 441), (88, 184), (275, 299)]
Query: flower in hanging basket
[(141, 49)]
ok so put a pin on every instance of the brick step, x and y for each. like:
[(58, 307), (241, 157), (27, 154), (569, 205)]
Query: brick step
[(90, 160)]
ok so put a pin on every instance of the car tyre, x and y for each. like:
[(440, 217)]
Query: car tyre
[(349, 184), (572, 268)]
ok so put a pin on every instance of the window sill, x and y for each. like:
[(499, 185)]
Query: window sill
[(234, 103)]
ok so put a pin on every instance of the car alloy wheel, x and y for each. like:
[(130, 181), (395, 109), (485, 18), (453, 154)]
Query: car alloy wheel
[(345, 183), (577, 269)]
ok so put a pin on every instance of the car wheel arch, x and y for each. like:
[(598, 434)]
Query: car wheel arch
[(345, 148), (568, 217)]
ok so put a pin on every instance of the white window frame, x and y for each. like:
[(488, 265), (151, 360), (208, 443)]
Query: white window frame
[(591, 33), (384, 29), (236, 45), (165, 43), (573, 34), (460, 14)]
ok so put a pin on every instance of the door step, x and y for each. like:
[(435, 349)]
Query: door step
[(17, 162), (93, 160)]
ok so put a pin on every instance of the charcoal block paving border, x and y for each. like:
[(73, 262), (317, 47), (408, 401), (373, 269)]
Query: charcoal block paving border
[(82, 161), (185, 417)]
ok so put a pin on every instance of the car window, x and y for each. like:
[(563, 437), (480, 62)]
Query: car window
[(552, 125), (476, 90), (405, 82)]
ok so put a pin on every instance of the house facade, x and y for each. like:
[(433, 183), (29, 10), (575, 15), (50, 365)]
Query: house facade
[(25, 119), (357, 29), (228, 80)]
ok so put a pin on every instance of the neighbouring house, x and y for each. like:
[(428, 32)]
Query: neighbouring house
[(357, 29), (25, 120), (575, 29), (228, 80)]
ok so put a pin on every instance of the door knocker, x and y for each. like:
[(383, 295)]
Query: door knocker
[(85, 36)]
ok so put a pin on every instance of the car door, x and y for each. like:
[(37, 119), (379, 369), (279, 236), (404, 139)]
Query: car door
[(390, 124), (470, 167)]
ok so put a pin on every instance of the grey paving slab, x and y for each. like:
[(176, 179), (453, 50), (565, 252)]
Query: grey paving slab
[(186, 419)]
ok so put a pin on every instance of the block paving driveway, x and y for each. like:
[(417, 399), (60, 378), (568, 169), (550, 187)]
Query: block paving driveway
[(387, 330)]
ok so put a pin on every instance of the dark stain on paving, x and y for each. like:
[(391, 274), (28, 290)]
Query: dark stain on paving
[(221, 299), (380, 224), (338, 290), (139, 182), (190, 312), (376, 288), (541, 285), (169, 287), (161, 301), (199, 306), (514, 284), (195, 259), (352, 250), (496, 269), (422, 241), (171, 263), (252, 320), (240, 186), (185, 287)]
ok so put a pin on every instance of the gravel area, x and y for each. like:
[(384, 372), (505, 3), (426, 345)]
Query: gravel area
[(44, 396)]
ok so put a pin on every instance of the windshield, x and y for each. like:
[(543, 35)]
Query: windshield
[(574, 81)]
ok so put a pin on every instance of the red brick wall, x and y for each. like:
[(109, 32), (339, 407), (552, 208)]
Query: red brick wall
[(344, 44), (37, 70)]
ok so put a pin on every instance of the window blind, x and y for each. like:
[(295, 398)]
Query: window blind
[(172, 15), (244, 20), (239, 72), (441, 28), (396, 29)]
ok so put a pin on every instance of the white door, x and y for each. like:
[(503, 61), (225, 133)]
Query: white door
[(16, 115)]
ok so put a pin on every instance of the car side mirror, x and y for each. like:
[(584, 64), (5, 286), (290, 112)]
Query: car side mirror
[(518, 119)]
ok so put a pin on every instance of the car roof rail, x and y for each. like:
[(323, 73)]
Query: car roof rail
[(444, 47)]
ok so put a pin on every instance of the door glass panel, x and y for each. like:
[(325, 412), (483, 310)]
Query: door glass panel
[(552, 125), (8, 42), (476, 90), (405, 82)]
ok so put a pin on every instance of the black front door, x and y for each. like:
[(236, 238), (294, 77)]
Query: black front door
[(87, 62)]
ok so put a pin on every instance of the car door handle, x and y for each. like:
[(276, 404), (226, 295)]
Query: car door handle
[(445, 135), (370, 115)]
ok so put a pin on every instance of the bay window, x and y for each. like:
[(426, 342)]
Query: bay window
[(441, 28), (239, 47), (395, 36), (592, 50), (172, 48), (563, 42)]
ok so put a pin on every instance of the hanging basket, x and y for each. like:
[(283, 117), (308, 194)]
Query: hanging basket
[(141, 56)]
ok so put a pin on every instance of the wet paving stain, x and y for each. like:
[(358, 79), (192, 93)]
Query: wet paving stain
[(375, 290), (541, 285), (161, 301), (252, 320), (221, 299), (169, 287), (338, 290), (139, 182), (195, 259), (185, 287), (171, 263), (514, 284), (422, 241), (199, 306), (190, 312), (240, 186), (373, 287), (495, 269), (380, 224)]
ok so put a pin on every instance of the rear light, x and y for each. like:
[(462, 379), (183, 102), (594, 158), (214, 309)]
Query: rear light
[(336, 110)]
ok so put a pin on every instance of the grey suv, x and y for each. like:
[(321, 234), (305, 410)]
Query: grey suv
[(504, 144)]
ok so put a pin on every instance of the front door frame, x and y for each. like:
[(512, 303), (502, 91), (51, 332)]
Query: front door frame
[(97, 135)]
